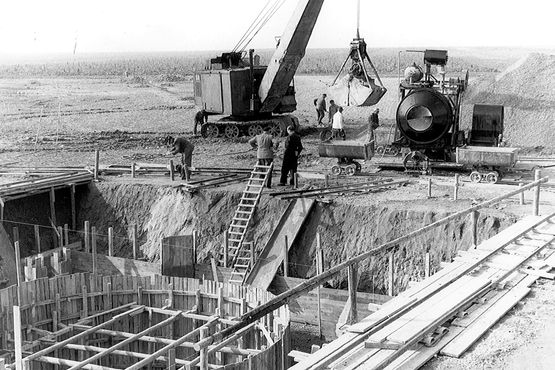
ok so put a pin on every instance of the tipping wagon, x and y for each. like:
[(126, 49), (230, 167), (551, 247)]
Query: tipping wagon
[(488, 163), (346, 152)]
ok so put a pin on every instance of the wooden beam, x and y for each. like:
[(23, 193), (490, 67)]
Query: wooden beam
[(94, 329), (390, 274), (111, 241), (456, 187), (89, 348), (17, 337), (203, 363), (537, 190), (63, 362), (172, 170), (134, 240), (87, 236), (53, 206), (176, 343), (37, 238), (96, 164), (319, 270), (310, 284), (285, 256), (125, 342), (93, 242)]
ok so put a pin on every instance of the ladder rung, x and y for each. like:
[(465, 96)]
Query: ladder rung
[(242, 266), (235, 233), (259, 173), (256, 179), (233, 240), (238, 226), (251, 192), (240, 273), (241, 219), (262, 166), (244, 212), (243, 258), (236, 281)]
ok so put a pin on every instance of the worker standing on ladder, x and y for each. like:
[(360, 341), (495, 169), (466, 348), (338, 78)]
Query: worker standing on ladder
[(185, 148), (264, 143)]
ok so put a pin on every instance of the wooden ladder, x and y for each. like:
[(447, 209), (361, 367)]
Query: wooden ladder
[(239, 252)]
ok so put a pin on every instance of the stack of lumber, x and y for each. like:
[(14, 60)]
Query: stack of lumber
[(51, 263), (39, 171), (21, 189), (215, 181), (345, 189), (449, 311)]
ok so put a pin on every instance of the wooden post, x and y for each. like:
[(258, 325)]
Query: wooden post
[(295, 180), (17, 338), (352, 279), (253, 255), (60, 236), (133, 170), (474, 227), (2, 364), (87, 237), (326, 180), (1, 211), (93, 239), (37, 237), (53, 212), (171, 359), (203, 364), (134, 240), (96, 164), (226, 247), (17, 261), (195, 247), (73, 212), (537, 190), (456, 187), (172, 170), (427, 265), (285, 257), (66, 234), (391, 275), (15, 233), (319, 270), (111, 241), (521, 195), (429, 188)]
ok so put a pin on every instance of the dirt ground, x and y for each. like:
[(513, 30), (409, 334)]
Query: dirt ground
[(60, 122)]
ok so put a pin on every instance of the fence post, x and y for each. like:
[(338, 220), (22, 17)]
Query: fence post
[(111, 241), (521, 195), (133, 170), (429, 188), (93, 239), (537, 190), (17, 338), (172, 170), (391, 275), (226, 247), (96, 164), (319, 270), (87, 237), (427, 265), (37, 237), (352, 279), (203, 364), (474, 227), (456, 187), (134, 240)]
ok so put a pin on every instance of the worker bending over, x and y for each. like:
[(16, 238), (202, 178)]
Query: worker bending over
[(185, 148), (200, 119), (293, 148), (321, 108), (264, 143)]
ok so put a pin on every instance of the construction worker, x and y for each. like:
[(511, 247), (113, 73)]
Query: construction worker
[(200, 118), (264, 143), (321, 108), (373, 123), (332, 110), (185, 148), (293, 148), (338, 126)]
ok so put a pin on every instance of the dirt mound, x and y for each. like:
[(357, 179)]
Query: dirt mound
[(526, 90)]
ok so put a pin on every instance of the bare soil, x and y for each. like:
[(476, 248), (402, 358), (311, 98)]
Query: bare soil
[(47, 122)]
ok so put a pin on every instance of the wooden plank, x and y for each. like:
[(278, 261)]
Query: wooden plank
[(176, 256), (475, 330), (73, 207), (273, 254), (106, 266), (17, 338), (8, 262)]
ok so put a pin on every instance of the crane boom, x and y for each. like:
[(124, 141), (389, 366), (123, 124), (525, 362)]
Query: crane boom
[(288, 54)]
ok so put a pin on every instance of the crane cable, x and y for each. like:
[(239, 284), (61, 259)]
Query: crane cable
[(260, 21), (251, 26), (276, 8)]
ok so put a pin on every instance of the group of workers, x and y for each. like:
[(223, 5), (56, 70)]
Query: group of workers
[(266, 144)]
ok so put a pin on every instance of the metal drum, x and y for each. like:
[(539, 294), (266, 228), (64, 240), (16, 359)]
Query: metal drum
[(424, 116)]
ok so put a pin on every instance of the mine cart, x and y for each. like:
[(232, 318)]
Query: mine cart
[(487, 163), (346, 153)]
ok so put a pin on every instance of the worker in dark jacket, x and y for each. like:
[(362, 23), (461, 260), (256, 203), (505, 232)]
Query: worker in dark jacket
[(332, 110), (200, 118), (293, 148), (264, 143), (373, 124), (321, 108), (185, 148)]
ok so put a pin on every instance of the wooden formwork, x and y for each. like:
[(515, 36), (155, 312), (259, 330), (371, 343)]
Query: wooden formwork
[(90, 315)]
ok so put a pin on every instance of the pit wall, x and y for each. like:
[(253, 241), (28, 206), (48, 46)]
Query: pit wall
[(48, 303), (347, 230)]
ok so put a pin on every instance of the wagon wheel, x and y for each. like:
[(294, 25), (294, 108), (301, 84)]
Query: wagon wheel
[(350, 170), (475, 176), (492, 177), (336, 170), (358, 167), (231, 131), (210, 130), (326, 134), (394, 150), (380, 150), (276, 130), (254, 130)]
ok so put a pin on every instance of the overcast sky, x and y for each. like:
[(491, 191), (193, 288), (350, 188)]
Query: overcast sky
[(45, 26)]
